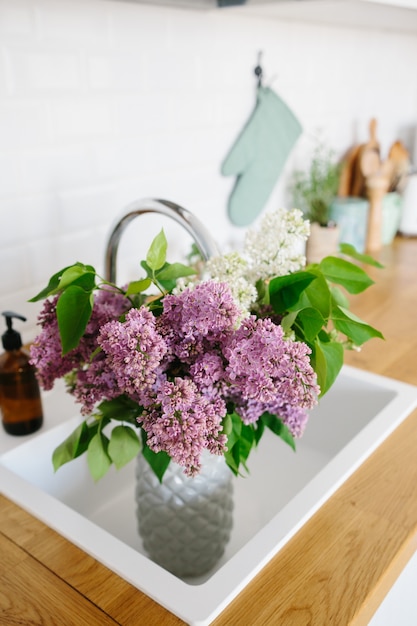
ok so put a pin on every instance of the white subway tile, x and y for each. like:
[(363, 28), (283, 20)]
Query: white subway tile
[(173, 69), (14, 269), (37, 69), (100, 71), (4, 87), (171, 151), (142, 115), (134, 26), (128, 71), (81, 119), (23, 124), (85, 23), (85, 208), (194, 110), (9, 173), (54, 169), (50, 255), (16, 18), (123, 159), (26, 218)]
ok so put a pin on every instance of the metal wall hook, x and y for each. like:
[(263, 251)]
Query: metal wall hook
[(258, 69)]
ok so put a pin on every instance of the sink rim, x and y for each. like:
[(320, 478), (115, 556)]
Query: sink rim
[(198, 605)]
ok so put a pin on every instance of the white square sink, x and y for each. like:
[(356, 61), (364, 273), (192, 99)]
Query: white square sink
[(282, 492)]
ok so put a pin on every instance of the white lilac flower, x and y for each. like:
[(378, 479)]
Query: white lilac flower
[(233, 269), (183, 283), (274, 248)]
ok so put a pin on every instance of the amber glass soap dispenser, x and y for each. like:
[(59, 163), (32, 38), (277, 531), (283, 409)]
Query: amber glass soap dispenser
[(20, 399)]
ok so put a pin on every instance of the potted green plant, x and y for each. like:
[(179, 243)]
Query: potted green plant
[(313, 192)]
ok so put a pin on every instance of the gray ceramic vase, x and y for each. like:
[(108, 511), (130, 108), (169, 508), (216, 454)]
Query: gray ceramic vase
[(185, 523)]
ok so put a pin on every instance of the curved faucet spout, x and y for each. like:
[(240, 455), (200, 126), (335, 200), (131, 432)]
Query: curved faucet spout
[(204, 242)]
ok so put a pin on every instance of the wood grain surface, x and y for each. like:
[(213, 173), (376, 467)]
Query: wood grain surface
[(335, 571)]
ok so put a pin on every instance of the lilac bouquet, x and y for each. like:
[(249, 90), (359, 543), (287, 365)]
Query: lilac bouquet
[(208, 362)]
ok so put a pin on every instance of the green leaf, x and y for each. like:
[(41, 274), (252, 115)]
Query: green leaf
[(339, 297), (246, 442), (73, 310), (74, 445), (227, 425), (234, 434), (312, 322), (277, 426), (194, 254), (342, 272), (50, 289), (263, 292), (232, 458), (97, 456), (285, 291), (349, 250), (353, 327), (317, 295), (168, 285), (172, 271), (158, 461), (240, 441), (327, 361), (86, 281), (288, 321), (79, 274), (124, 445), (121, 408), (156, 255), (147, 269), (137, 286), (232, 454), (259, 430)]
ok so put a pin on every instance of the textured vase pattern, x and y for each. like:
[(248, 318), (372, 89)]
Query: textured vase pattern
[(185, 523)]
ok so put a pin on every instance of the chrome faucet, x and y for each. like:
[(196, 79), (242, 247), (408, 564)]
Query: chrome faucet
[(203, 240)]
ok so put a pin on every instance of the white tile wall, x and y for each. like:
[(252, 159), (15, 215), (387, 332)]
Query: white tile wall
[(105, 102)]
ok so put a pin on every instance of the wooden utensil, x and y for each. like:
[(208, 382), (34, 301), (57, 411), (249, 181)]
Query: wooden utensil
[(368, 152), (376, 188), (348, 166), (400, 158)]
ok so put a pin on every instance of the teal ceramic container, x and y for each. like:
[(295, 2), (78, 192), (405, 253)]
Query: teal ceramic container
[(392, 208), (351, 215)]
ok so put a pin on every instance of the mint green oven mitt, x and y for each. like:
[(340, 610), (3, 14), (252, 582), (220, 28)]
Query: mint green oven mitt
[(258, 156)]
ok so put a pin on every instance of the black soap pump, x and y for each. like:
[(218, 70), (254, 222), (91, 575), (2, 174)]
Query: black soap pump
[(20, 399)]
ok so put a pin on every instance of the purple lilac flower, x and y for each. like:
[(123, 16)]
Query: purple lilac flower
[(183, 422), (198, 317), (134, 351), (92, 384), (183, 367), (46, 351), (208, 374), (294, 417), (269, 373)]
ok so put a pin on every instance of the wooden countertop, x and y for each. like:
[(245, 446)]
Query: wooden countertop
[(336, 570)]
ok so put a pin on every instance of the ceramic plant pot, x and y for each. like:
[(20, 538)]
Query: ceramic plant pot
[(323, 241), (185, 523)]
